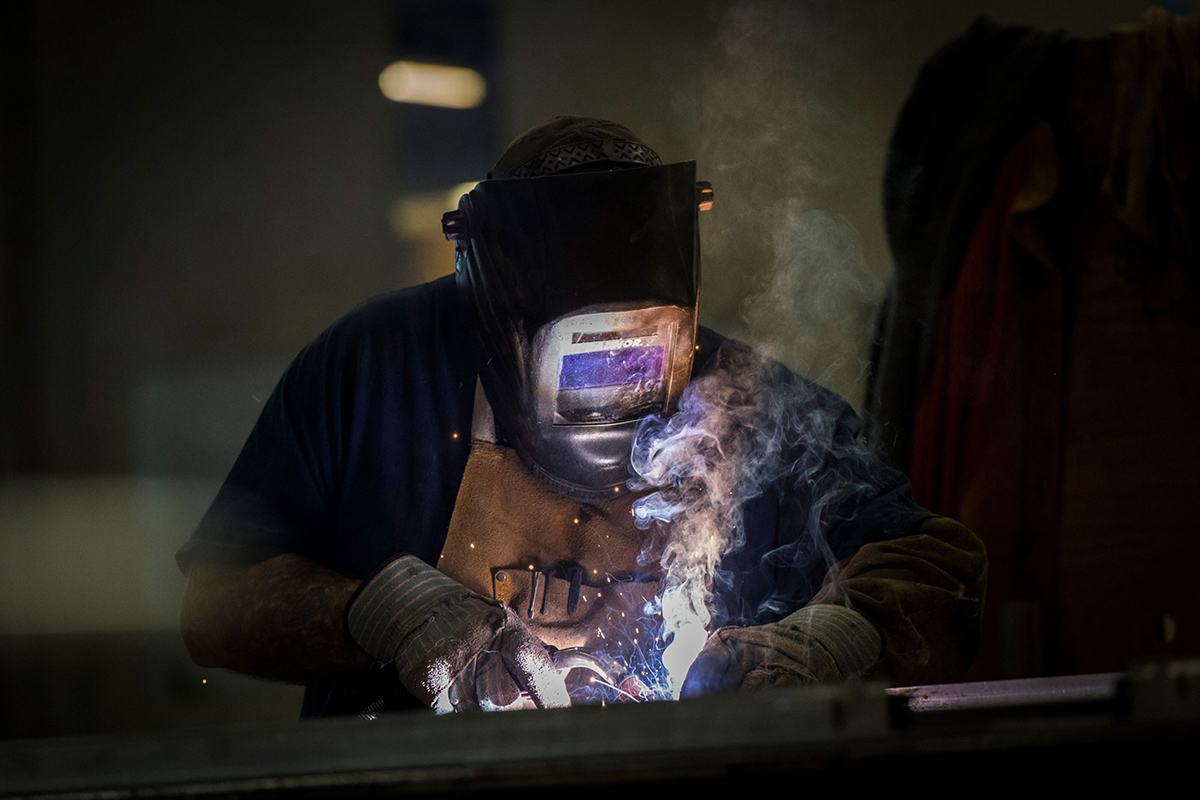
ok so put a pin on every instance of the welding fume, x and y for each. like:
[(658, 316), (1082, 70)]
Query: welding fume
[(540, 482)]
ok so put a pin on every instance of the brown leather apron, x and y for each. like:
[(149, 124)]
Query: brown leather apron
[(569, 570)]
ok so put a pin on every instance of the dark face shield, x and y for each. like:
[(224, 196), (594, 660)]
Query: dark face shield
[(584, 290)]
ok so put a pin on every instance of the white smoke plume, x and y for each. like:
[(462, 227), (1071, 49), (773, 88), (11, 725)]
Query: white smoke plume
[(748, 424), (745, 427), (784, 145), (703, 461)]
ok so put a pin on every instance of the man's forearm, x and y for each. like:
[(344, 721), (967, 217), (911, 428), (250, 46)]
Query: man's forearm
[(280, 619)]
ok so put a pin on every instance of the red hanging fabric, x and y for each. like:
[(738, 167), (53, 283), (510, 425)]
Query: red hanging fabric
[(973, 326)]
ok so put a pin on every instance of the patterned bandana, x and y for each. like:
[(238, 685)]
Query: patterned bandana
[(566, 143)]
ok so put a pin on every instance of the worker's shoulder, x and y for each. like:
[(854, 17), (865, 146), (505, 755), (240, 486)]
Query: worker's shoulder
[(716, 353), (422, 321), (429, 310)]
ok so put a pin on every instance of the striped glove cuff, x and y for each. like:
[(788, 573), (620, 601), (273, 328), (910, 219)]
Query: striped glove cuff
[(848, 636), (396, 602)]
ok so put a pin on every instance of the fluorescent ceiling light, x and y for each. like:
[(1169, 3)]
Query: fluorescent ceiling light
[(432, 85)]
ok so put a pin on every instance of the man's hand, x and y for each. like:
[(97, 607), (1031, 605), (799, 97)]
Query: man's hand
[(451, 647), (817, 644)]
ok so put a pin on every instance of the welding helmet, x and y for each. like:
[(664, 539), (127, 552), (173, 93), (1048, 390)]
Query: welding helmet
[(583, 287)]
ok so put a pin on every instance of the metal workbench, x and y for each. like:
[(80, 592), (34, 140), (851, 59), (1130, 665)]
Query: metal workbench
[(1145, 724)]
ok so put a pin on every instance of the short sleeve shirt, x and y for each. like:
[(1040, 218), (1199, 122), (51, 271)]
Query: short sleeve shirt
[(360, 450)]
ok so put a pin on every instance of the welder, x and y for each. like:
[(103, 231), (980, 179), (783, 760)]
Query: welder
[(435, 498)]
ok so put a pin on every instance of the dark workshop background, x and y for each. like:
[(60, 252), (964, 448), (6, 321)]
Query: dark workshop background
[(189, 192)]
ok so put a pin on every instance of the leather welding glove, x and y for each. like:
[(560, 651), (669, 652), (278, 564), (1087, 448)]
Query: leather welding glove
[(451, 647), (817, 644)]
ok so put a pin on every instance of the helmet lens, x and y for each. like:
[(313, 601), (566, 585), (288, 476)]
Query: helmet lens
[(612, 372), (611, 385)]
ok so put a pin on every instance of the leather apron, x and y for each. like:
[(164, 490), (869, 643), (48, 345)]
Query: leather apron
[(569, 570)]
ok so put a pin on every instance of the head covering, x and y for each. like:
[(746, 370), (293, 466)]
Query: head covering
[(568, 143)]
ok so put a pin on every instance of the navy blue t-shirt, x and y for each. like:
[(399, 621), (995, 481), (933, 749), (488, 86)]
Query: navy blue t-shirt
[(354, 455), (360, 451)]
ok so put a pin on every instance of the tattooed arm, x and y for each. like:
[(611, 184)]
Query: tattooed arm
[(280, 619)]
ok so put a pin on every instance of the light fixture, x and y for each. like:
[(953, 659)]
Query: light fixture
[(432, 85)]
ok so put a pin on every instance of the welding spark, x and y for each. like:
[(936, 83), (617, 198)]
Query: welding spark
[(619, 690)]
